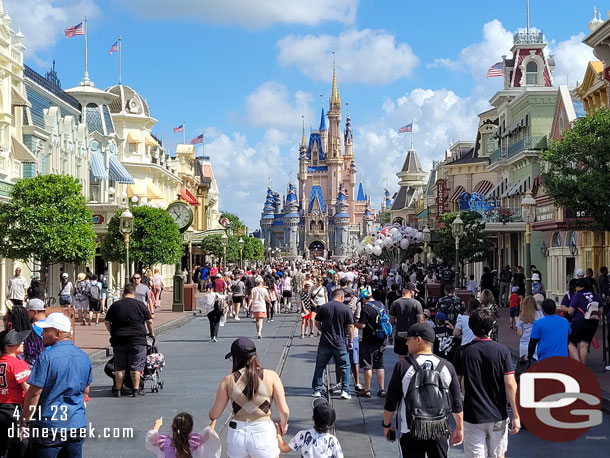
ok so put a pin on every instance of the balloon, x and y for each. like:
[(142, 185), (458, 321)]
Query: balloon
[(388, 241), (404, 244), (377, 251), (368, 249), (378, 242), (385, 230), (394, 230), (397, 236)]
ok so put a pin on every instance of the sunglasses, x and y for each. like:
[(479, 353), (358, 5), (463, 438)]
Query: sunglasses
[(137, 278)]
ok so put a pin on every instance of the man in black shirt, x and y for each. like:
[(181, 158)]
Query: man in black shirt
[(404, 313), (489, 382), (487, 279), (371, 347), (336, 322), (129, 321), (519, 280), (451, 305), (444, 343)]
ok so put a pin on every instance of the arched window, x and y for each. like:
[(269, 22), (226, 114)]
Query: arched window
[(557, 242), (321, 225), (311, 225), (531, 73)]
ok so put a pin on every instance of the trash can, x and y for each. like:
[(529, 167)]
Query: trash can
[(189, 297)]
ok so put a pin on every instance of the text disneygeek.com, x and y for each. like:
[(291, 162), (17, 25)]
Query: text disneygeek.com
[(64, 434)]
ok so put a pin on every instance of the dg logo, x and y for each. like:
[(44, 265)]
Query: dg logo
[(559, 399)]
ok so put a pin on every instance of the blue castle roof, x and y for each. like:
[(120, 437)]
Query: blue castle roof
[(315, 139), (322, 121), (361, 197), (316, 193)]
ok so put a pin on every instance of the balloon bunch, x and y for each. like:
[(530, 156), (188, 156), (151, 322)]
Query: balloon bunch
[(392, 243)]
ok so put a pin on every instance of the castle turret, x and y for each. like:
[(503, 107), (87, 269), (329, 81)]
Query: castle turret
[(303, 162), (291, 221), (334, 121), (268, 216), (323, 131), (342, 220)]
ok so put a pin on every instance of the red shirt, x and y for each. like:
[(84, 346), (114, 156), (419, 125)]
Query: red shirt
[(13, 372), (514, 300), (219, 285)]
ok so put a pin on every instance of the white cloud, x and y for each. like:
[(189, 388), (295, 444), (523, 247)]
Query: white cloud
[(363, 56), (43, 21), (571, 59), (249, 13), (478, 57), (270, 105), (445, 63)]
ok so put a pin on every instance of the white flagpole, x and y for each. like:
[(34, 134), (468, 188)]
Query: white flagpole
[(203, 145), (184, 132), (86, 72), (412, 134), (528, 16), (120, 56)]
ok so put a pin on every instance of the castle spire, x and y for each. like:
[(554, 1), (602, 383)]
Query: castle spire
[(335, 98), (303, 140)]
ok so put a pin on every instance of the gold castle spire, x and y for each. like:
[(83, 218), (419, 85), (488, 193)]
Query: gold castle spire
[(335, 98), (303, 140)]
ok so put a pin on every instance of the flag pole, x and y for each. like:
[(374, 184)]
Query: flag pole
[(184, 132), (120, 56), (86, 72), (412, 134), (203, 138)]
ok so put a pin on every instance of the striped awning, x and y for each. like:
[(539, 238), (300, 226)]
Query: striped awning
[(194, 200), (483, 187), (497, 191), (138, 189), (518, 188), (153, 192), (118, 172), (456, 193), (188, 197), (97, 167)]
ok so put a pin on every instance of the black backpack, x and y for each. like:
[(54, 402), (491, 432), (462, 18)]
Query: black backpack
[(506, 275), (427, 402), (447, 274)]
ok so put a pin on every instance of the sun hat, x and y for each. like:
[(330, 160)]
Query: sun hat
[(81, 276), (536, 277)]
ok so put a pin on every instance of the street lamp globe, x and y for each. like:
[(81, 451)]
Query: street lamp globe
[(224, 240), (241, 243), (458, 227), (126, 222), (528, 206), (426, 234)]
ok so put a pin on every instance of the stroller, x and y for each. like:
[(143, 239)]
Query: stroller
[(155, 362)]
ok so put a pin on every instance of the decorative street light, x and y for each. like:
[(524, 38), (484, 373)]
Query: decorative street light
[(457, 227), (241, 252), (224, 240), (126, 226), (528, 206), (189, 265), (426, 237)]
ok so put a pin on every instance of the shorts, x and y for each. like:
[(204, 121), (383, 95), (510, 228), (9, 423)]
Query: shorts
[(514, 312), (354, 353), (238, 299), (287, 293), (371, 357), (65, 299), (129, 356), (95, 305), (306, 316), (82, 305), (252, 439), (259, 315), (583, 331), (400, 346), (484, 440)]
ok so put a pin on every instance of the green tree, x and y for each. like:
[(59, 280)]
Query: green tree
[(579, 165), (253, 247), (474, 245), (155, 238), (47, 219), (237, 225), (386, 217)]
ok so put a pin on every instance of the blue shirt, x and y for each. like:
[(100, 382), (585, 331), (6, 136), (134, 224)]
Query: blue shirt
[(63, 372), (552, 331)]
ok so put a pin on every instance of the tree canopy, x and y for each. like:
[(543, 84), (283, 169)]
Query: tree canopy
[(253, 247), (237, 225), (579, 165), (155, 238), (47, 218), (474, 245)]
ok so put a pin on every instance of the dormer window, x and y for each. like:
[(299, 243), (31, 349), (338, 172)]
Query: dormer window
[(531, 74)]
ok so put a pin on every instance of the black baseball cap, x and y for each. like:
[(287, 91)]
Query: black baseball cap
[(323, 413), (14, 338), (241, 347), (419, 330), (410, 286)]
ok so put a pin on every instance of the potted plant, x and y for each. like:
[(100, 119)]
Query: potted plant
[(505, 214)]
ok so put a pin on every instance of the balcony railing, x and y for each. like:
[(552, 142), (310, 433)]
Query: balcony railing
[(523, 144), (521, 38), (494, 216)]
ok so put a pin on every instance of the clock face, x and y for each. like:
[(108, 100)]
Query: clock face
[(181, 214)]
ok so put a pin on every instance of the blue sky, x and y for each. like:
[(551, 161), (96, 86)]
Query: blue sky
[(246, 70)]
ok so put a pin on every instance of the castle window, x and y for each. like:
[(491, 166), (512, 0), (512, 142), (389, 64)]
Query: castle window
[(531, 74)]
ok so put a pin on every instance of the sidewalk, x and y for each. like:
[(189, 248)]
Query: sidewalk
[(94, 339), (594, 361)]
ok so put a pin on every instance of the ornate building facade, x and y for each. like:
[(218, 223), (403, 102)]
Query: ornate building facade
[(322, 215)]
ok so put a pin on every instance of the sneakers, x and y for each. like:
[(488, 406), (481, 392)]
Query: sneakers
[(302, 336), (237, 318), (259, 336), (316, 394), (335, 388), (345, 395), (135, 393), (214, 339), (607, 368)]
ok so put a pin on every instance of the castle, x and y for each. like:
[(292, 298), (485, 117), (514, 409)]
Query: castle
[(324, 217)]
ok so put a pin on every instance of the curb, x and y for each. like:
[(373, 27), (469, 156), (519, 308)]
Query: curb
[(605, 395), (100, 356)]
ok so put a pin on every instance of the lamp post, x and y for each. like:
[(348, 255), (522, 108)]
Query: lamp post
[(126, 222), (528, 207), (224, 240), (189, 264), (457, 227), (426, 237), (241, 252)]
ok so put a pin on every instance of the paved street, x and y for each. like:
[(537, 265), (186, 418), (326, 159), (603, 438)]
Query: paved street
[(195, 367)]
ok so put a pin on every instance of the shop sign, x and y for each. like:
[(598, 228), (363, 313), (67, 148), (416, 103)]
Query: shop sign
[(97, 219), (545, 213), (442, 194)]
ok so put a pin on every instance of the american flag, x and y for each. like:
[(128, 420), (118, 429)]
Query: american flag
[(114, 48), (495, 70), (73, 31), (407, 128), (180, 128), (197, 139)]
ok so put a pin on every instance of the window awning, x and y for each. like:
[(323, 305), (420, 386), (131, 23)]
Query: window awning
[(18, 100), (133, 137), (454, 197), (515, 188), (21, 152), (117, 171), (153, 192), (194, 201), (497, 190), (138, 189), (422, 214), (483, 187), (150, 141), (97, 167), (188, 197)]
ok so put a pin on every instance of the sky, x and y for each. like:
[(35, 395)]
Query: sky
[(247, 71)]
